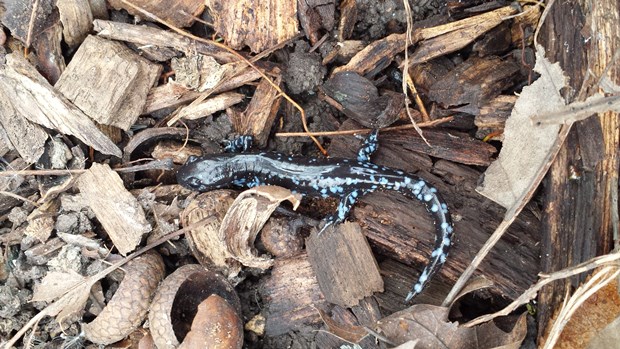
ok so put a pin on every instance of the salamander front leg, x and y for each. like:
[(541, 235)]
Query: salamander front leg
[(344, 207), (369, 146), (240, 144)]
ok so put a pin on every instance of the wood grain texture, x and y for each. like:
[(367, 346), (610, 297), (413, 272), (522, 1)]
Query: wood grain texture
[(117, 210), (344, 264), (118, 82), (578, 220)]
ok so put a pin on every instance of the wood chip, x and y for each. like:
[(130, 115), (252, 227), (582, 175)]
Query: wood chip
[(34, 98), (180, 13), (117, 210), (119, 81), (291, 294), (259, 24), (344, 264), (77, 20), (261, 113)]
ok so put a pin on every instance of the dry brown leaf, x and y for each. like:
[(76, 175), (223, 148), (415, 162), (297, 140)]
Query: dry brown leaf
[(430, 326), (55, 284), (350, 333), (587, 324), (525, 145)]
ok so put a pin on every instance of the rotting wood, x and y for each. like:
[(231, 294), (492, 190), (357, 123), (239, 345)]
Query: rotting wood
[(581, 198), (291, 294), (344, 265), (181, 13), (474, 83), (492, 116), (401, 228), (119, 81), (259, 24)]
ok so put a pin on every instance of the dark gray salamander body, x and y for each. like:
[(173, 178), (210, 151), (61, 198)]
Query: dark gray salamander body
[(323, 177)]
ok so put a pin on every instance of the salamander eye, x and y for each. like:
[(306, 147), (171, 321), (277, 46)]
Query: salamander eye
[(191, 159)]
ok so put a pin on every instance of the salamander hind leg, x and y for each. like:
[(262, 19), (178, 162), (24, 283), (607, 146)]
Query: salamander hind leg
[(369, 146), (343, 210), (240, 144)]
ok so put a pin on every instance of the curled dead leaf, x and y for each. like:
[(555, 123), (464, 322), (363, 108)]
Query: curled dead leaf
[(127, 308), (177, 298), (216, 326)]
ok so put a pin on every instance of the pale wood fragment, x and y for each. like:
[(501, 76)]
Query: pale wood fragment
[(146, 36), (117, 210), (35, 99), (77, 20), (118, 82), (211, 105)]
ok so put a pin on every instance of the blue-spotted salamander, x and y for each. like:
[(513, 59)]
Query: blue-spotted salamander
[(322, 177)]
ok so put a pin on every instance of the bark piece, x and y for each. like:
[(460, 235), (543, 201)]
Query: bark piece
[(291, 295), (116, 209), (359, 99), (181, 13), (436, 41), (26, 137), (493, 115), (315, 15), (35, 99), (474, 83), (259, 116), (119, 81), (344, 265), (77, 20), (148, 36), (259, 24)]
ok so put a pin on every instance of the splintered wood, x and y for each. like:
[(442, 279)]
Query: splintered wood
[(344, 265), (32, 101), (117, 210)]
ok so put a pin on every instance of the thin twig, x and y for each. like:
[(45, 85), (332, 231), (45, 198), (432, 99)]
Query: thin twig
[(365, 130)]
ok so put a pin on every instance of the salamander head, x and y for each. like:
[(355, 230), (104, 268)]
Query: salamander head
[(205, 173)]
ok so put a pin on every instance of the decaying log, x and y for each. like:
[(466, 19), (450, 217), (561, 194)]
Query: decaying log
[(583, 180), (402, 229)]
